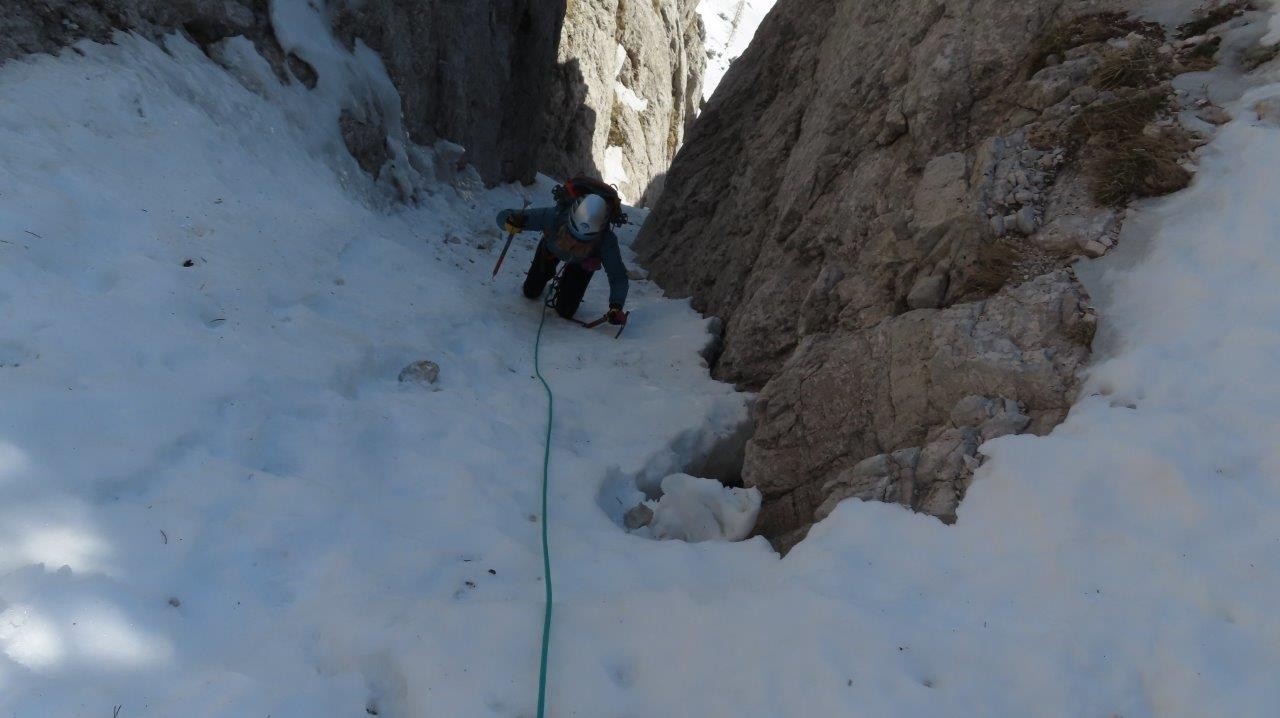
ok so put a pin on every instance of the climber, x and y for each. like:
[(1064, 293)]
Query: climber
[(577, 232)]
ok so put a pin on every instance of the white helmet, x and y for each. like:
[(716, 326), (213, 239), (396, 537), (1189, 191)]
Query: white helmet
[(589, 216)]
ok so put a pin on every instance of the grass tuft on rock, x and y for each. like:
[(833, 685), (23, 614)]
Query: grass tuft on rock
[(1258, 56), (1124, 154), (1207, 19), (1084, 30), (1139, 65), (617, 137), (993, 267), (1122, 149), (1201, 57), (1126, 115), (673, 133), (1143, 166)]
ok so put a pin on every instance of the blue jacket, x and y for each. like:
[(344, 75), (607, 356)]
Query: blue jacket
[(553, 222)]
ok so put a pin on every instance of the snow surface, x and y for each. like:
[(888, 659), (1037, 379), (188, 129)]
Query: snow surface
[(730, 25), (231, 434), (216, 500)]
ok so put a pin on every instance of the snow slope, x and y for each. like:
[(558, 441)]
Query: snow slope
[(216, 500), (730, 25), (231, 434)]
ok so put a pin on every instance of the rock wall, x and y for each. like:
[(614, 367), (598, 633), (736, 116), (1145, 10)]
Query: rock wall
[(46, 26), (896, 412), (525, 85), (634, 69), (880, 202), (475, 73)]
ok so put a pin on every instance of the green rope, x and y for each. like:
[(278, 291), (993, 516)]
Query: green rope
[(546, 552)]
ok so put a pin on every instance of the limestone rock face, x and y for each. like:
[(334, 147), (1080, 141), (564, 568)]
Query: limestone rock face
[(630, 82), (848, 141), (878, 204), (475, 73), (557, 86), (604, 87), (47, 25), (917, 394)]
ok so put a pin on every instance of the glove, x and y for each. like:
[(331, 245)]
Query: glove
[(515, 222), (616, 316)]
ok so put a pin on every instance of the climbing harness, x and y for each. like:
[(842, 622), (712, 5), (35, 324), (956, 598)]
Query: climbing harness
[(553, 290), (546, 551)]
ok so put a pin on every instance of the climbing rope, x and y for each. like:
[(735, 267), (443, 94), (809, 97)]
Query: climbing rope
[(546, 469)]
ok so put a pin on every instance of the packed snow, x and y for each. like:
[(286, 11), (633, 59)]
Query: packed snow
[(730, 26), (217, 497), (217, 500)]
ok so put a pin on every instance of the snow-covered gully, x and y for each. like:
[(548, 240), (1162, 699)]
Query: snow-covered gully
[(216, 499)]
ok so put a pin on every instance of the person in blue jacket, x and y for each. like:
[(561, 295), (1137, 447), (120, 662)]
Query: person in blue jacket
[(579, 235)]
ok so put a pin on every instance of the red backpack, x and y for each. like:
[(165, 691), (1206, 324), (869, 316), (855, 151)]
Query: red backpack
[(581, 186)]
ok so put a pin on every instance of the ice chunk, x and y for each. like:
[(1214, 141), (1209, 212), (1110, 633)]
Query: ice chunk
[(693, 509)]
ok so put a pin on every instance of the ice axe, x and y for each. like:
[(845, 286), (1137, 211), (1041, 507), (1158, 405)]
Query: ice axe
[(510, 236), (503, 256), (605, 318)]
